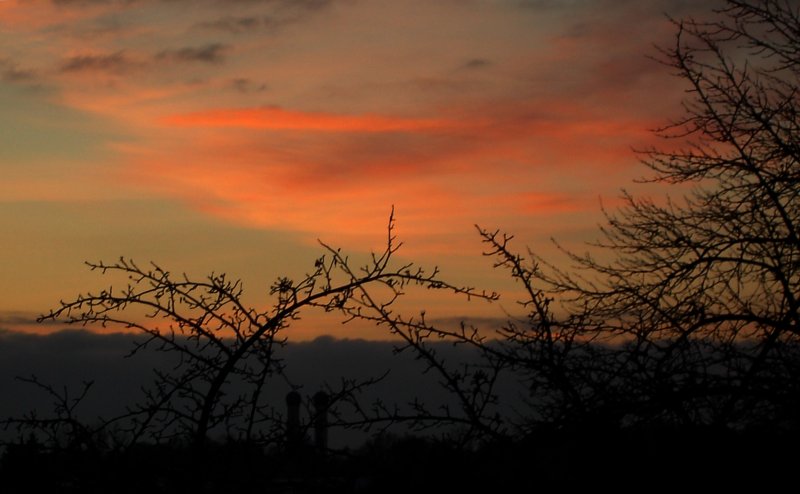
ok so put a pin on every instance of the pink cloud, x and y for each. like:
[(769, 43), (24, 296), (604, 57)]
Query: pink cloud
[(303, 173), (281, 119), (534, 146)]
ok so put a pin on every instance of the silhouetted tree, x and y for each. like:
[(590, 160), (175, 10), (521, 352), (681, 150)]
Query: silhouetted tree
[(704, 289), (218, 340), (687, 313)]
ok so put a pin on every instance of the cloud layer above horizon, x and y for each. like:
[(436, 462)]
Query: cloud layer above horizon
[(315, 117)]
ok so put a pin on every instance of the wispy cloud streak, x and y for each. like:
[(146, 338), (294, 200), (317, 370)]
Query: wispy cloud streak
[(281, 119)]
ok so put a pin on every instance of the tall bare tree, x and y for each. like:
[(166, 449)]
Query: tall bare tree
[(706, 286), (688, 312)]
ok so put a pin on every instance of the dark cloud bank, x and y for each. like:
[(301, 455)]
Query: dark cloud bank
[(210, 53), (113, 62), (69, 358)]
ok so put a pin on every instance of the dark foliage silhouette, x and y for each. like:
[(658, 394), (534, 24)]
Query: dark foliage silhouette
[(679, 332), (686, 313), (218, 341)]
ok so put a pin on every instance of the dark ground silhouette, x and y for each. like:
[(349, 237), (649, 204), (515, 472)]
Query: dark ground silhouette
[(654, 459)]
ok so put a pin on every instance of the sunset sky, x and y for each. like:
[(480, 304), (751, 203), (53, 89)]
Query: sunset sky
[(212, 135)]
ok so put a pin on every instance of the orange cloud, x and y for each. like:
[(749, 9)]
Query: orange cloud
[(18, 15), (336, 176), (280, 119)]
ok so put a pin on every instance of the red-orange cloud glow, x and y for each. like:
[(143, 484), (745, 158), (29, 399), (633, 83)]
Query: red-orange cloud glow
[(336, 176), (280, 119)]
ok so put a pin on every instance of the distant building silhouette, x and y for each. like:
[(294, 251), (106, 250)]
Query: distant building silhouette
[(321, 401)]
